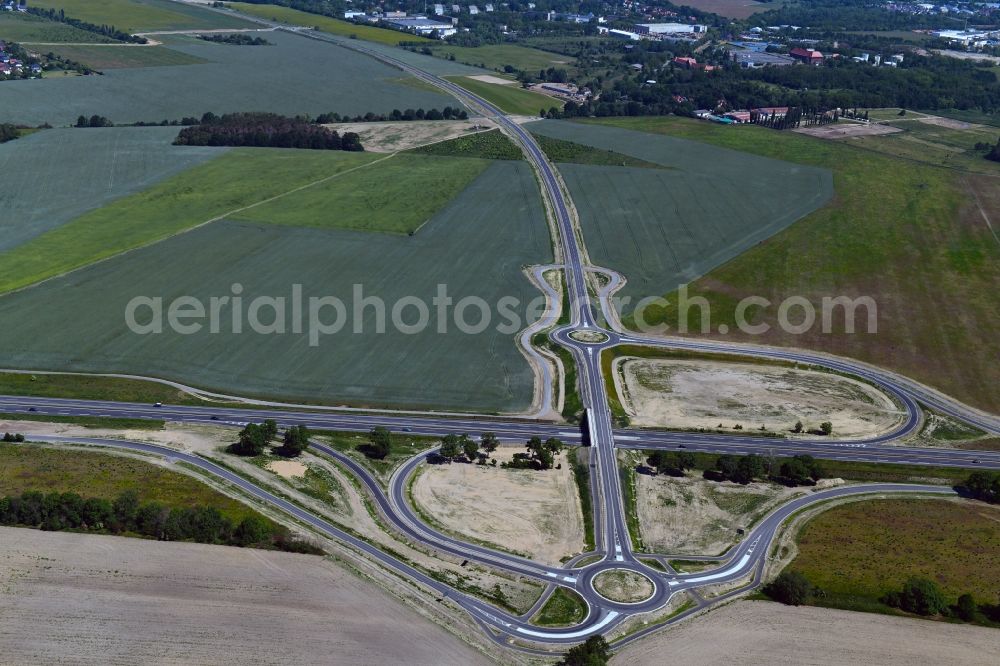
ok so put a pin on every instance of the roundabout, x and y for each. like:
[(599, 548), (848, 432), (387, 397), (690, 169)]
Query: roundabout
[(590, 337), (623, 586)]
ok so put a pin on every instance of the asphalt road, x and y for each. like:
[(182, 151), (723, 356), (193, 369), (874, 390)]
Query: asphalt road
[(614, 544)]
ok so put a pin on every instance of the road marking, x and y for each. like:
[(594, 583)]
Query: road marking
[(569, 579), (722, 574), (571, 634)]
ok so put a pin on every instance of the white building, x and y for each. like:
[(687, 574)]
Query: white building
[(352, 14), (473, 10), (668, 28), (422, 26), (438, 10)]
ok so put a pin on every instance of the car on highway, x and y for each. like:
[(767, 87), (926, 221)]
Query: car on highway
[(157, 404)]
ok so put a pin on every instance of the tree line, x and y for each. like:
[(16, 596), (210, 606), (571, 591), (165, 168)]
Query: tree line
[(110, 31), (254, 439), (268, 130), (917, 595), (236, 38), (8, 132), (127, 515), (447, 113), (799, 470)]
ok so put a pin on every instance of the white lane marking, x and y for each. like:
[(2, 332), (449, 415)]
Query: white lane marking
[(549, 573), (628, 437), (572, 634), (672, 583), (569, 579), (722, 574)]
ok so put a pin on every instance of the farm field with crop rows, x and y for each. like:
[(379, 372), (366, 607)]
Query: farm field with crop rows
[(239, 178), (477, 245), (16, 27), (54, 176), (710, 206), (125, 56), (271, 78), (144, 15)]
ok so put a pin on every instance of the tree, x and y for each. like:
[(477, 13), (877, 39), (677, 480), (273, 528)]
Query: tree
[(252, 530), (749, 468), (451, 446), (826, 428), (920, 596), (553, 445), (727, 466), (984, 486), (798, 427), (790, 587), (125, 509), (966, 607), (489, 442), (296, 441), (270, 429), (469, 447), (81, 121), (252, 441), (592, 652), (379, 443)]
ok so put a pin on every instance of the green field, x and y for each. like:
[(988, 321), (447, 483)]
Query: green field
[(570, 152), (379, 198), (907, 235), (126, 56), (664, 227), (237, 179), (859, 551), (932, 144), (17, 27), (143, 15), (327, 24), (54, 176), (81, 387), (26, 467), (270, 78), (491, 145), (564, 608), (477, 246), (510, 99), (495, 56)]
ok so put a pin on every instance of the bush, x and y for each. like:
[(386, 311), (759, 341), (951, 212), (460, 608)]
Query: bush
[(791, 588), (920, 596)]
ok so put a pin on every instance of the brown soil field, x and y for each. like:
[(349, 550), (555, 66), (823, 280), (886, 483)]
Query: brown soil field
[(74, 598), (732, 8), (388, 137), (525, 511), (702, 394), (762, 632)]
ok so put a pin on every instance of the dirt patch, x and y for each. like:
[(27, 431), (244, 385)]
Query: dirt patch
[(113, 600), (525, 511), (847, 130), (489, 78), (623, 586), (771, 633), (287, 469), (175, 435), (702, 394), (390, 137), (692, 516)]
